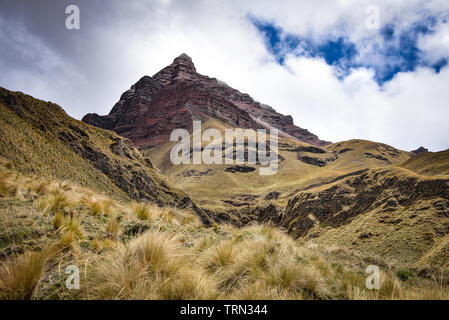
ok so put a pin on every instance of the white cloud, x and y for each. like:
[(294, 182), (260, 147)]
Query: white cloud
[(436, 46), (408, 112)]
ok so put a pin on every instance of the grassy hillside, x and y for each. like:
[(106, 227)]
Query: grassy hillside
[(39, 137), (358, 194), (68, 195), (140, 251), (239, 197), (429, 163), (393, 213), (301, 166)]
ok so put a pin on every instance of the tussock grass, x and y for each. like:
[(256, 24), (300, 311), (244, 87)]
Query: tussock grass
[(113, 228), (70, 229), (167, 215), (98, 205), (392, 288), (8, 187), (219, 256), (184, 217), (68, 239), (188, 284), (157, 251), (72, 223), (141, 251), (39, 186), (20, 276), (142, 211), (58, 220), (151, 266), (266, 256), (99, 246), (55, 201)]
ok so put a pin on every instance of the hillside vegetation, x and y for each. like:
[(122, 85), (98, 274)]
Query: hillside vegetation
[(39, 137), (358, 194), (140, 251), (429, 163), (72, 194)]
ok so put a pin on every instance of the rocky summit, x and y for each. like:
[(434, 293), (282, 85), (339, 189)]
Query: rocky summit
[(155, 106)]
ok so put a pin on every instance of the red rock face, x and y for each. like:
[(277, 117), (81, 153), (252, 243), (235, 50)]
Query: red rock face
[(175, 96)]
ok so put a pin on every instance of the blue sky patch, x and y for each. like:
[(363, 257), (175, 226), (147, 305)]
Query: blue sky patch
[(396, 51)]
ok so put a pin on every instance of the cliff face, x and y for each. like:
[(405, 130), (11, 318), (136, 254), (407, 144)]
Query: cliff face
[(154, 106)]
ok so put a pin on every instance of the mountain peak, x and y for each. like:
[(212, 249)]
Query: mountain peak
[(184, 60), (181, 68), (170, 99), (184, 57)]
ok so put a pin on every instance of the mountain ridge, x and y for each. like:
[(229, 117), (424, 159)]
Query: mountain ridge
[(176, 95)]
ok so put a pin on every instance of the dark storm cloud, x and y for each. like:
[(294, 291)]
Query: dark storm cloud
[(41, 57)]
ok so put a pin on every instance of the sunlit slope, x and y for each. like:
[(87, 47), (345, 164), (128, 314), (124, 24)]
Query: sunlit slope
[(213, 184), (128, 250), (39, 137), (389, 212), (353, 194), (429, 163), (300, 166)]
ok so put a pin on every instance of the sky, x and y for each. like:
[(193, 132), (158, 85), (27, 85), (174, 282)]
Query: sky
[(339, 68)]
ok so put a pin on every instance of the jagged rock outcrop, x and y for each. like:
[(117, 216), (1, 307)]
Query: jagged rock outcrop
[(420, 150), (154, 106)]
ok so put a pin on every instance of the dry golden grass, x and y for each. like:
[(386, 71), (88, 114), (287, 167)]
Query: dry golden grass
[(24, 147), (170, 255), (39, 186), (96, 205), (183, 217), (68, 239), (8, 187), (72, 224), (20, 276), (152, 266), (113, 228), (266, 256), (142, 211), (98, 245), (188, 284), (55, 201), (391, 288), (219, 256), (157, 251), (58, 220)]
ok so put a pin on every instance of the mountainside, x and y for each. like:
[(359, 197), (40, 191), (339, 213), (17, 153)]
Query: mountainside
[(354, 194), (306, 232), (131, 250), (155, 106), (429, 163), (387, 211), (40, 138), (359, 194)]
